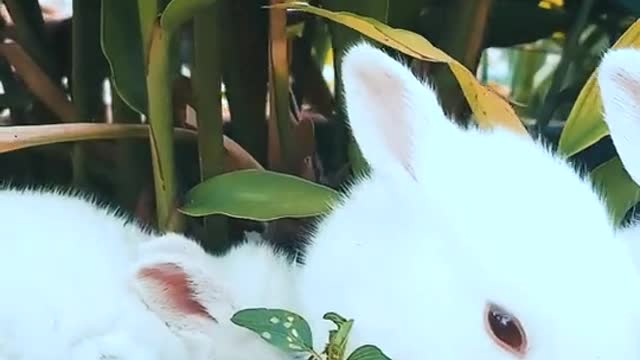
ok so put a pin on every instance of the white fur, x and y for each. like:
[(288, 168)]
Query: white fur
[(450, 219), (619, 83), (70, 287)]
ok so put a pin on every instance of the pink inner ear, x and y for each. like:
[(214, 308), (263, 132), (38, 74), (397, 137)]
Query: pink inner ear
[(176, 287), (392, 123), (629, 83)]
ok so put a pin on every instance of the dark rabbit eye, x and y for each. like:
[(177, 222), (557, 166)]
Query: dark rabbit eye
[(505, 329)]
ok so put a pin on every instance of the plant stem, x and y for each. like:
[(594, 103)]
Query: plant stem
[(161, 127), (27, 16), (463, 39), (568, 54), (86, 81), (207, 77), (245, 65), (130, 165), (279, 86), (347, 149)]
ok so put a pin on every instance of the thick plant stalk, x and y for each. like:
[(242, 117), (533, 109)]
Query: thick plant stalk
[(568, 55), (130, 165), (161, 127), (207, 78), (245, 72), (27, 16), (86, 81), (279, 87), (463, 40), (341, 38)]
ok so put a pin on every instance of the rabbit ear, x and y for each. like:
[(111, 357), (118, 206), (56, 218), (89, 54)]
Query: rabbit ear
[(173, 279), (619, 81), (389, 109)]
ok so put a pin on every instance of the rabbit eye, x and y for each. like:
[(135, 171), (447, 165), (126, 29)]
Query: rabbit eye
[(506, 330)]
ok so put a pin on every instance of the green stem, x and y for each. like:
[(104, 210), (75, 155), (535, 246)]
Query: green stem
[(161, 127), (130, 166), (463, 39), (86, 79), (342, 38), (279, 89), (207, 77), (568, 54)]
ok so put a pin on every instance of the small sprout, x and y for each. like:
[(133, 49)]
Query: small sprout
[(335, 318), (337, 338), (266, 335), (274, 320)]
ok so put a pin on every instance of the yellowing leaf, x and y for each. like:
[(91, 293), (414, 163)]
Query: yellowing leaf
[(619, 190), (585, 125), (488, 107)]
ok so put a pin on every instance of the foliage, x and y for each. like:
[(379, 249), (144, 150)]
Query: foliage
[(221, 111), (290, 332)]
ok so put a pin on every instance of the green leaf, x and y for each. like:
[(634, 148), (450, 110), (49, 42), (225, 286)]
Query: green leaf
[(585, 125), (178, 12), (258, 195), (368, 352), (620, 191), (121, 42), (283, 329)]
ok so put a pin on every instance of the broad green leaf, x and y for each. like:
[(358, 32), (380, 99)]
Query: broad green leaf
[(283, 329), (585, 125), (368, 352), (178, 12), (258, 195), (489, 108), (620, 191), (121, 41)]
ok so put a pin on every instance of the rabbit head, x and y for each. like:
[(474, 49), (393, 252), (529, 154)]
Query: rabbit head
[(196, 294), (464, 243)]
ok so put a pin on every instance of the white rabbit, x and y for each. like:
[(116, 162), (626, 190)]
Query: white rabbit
[(619, 82), (464, 244), (80, 283)]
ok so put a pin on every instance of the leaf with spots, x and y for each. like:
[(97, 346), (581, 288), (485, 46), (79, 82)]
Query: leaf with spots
[(283, 329), (368, 352), (337, 338)]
